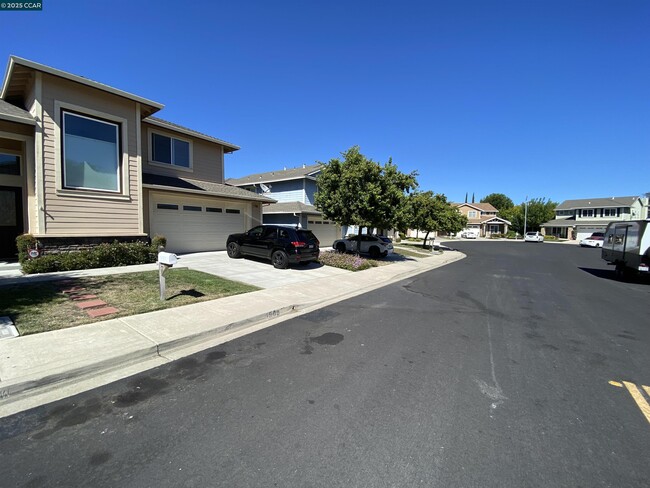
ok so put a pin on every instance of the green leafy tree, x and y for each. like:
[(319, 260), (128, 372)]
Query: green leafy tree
[(498, 201), (359, 191), (540, 210), (433, 213)]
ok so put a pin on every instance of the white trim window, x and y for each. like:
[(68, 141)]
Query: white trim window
[(91, 153), (472, 214), (171, 150)]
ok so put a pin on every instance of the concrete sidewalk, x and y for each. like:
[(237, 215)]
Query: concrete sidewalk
[(42, 368)]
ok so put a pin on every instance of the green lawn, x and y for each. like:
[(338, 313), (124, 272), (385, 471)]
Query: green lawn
[(41, 307), (412, 250)]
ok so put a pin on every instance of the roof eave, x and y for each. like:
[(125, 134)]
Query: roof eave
[(13, 60), (228, 147), (271, 180), (19, 120), (209, 193)]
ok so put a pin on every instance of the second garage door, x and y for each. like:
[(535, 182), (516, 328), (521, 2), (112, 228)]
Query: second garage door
[(325, 231), (195, 224)]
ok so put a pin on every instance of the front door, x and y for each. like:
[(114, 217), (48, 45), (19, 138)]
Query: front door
[(11, 220)]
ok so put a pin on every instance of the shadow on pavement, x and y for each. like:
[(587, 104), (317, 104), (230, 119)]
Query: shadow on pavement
[(298, 267), (609, 274)]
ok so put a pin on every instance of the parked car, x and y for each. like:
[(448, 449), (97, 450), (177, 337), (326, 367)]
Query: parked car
[(593, 240), (470, 234), (281, 244), (533, 237), (375, 246)]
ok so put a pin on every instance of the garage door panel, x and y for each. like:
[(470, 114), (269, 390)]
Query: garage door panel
[(194, 230), (326, 233)]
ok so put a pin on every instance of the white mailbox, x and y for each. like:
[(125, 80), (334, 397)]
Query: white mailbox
[(167, 258)]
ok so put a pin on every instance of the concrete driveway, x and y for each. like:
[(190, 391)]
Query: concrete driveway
[(255, 271)]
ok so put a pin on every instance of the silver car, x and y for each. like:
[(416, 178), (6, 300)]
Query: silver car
[(375, 246)]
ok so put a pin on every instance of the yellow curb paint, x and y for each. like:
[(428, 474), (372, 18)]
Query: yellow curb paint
[(638, 398), (616, 383)]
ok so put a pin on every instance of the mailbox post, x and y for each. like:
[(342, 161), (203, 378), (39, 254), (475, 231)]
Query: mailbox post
[(165, 261)]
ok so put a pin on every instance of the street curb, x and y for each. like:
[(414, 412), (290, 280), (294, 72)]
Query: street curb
[(14, 395)]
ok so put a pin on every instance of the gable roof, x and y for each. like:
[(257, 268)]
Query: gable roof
[(290, 207), (179, 128), (12, 113), (278, 175), (483, 207), (596, 202), (18, 75)]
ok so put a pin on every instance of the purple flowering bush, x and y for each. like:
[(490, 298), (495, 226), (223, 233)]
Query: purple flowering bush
[(350, 262)]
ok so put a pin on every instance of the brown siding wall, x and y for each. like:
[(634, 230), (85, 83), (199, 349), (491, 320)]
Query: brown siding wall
[(78, 215), (207, 157)]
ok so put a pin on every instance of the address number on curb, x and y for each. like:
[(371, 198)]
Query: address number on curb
[(272, 314)]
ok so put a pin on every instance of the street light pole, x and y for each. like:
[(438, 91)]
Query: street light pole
[(525, 215)]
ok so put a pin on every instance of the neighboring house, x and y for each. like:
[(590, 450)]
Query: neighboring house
[(295, 190), (483, 216), (577, 219), (82, 162)]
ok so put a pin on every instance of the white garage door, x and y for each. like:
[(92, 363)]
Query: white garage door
[(584, 232), (325, 231), (194, 224)]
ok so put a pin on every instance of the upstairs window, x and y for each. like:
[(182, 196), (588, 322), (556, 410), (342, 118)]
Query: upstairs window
[(9, 164), (169, 150), (472, 214), (91, 153)]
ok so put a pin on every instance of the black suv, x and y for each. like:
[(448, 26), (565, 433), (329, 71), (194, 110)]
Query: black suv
[(282, 244)]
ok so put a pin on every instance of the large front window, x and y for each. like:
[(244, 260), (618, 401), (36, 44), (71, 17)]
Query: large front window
[(170, 150), (91, 153)]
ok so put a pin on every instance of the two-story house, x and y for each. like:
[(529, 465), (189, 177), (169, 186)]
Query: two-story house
[(577, 219), (294, 189), (483, 216), (82, 162)]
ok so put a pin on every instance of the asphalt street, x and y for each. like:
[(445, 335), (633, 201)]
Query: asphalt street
[(514, 367)]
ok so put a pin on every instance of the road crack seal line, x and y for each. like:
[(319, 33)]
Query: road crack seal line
[(494, 392)]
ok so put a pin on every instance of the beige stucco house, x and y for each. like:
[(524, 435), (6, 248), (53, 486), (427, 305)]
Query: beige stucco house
[(82, 162), (483, 217)]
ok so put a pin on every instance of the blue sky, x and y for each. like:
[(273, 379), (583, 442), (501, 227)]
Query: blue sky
[(545, 99)]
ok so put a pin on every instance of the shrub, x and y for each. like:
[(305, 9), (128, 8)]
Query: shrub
[(550, 238), (511, 234), (158, 241), (101, 256), (24, 243), (496, 236), (345, 261)]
